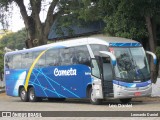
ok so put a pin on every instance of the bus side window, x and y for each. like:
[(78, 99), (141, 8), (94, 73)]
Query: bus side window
[(67, 55), (95, 68), (17, 60), (8, 62), (52, 57), (82, 55), (96, 48), (41, 61), (27, 60)]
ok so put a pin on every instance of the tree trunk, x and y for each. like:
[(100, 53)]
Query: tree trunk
[(155, 40), (38, 31), (36, 36), (1, 78), (36, 40), (152, 45)]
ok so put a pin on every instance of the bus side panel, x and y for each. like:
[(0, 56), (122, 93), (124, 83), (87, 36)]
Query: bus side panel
[(61, 81), (13, 79)]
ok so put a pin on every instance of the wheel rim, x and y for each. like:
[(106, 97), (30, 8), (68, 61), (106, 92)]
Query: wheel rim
[(31, 95), (23, 94)]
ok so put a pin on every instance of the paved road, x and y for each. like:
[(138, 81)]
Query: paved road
[(8, 103), (138, 104)]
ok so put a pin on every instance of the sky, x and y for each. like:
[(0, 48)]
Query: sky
[(16, 22)]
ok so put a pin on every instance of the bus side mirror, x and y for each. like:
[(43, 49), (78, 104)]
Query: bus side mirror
[(153, 55), (112, 56)]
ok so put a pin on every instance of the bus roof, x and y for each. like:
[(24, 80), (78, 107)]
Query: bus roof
[(94, 39)]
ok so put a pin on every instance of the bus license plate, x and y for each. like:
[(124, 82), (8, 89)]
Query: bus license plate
[(137, 94)]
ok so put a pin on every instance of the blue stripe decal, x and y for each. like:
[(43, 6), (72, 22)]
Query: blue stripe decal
[(125, 44), (132, 85)]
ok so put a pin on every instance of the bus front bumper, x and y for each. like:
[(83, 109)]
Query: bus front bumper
[(125, 92)]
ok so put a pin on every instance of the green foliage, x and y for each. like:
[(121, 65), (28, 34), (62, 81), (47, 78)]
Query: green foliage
[(1, 58), (124, 21), (158, 52), (123, 18), (15, 40), (5, 5), (12, 41)]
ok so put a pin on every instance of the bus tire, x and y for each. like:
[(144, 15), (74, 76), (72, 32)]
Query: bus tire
[(94, 101), (31, 95), (125, 100), (23, 95)]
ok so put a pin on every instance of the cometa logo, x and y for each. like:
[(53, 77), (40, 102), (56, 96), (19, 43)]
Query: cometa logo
[(69, 72)]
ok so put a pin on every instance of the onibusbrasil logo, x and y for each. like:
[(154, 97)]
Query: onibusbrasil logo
[(68, 72)]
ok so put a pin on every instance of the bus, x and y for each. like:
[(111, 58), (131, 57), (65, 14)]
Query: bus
[(96, 67)]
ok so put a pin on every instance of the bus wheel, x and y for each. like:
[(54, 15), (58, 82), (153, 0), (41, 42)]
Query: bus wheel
[(93, 100), (31, 95), (125, 100), (23, 95)]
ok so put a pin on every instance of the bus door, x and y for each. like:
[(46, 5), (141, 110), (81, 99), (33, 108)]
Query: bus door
[(102, 75), (107, 62), (107, 76)]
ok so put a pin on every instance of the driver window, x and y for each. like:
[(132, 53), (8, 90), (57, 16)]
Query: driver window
[(96, 48), (95, 69)]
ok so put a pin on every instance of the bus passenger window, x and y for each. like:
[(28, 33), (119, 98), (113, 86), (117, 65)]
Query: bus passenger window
[(27, 60), (82, 55), (41, 61), (67, 56), (96, 48), (8, 62), (17, 61), (52, 57)]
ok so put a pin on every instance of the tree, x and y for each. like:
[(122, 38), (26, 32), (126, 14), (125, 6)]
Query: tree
[(37, 30), (136, 19), (149, 11), (1, 62), (14, 40), (127, 18)]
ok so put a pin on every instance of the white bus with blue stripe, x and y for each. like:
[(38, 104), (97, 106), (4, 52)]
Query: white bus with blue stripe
[(95, 67)]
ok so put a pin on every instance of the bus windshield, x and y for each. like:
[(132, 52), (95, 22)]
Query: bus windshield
[(132, 64)]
